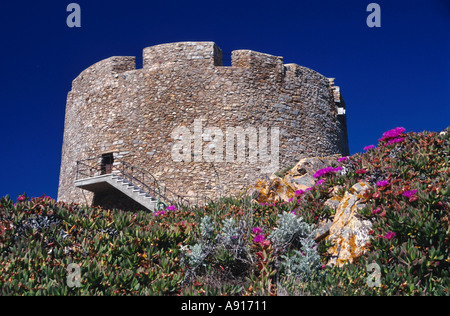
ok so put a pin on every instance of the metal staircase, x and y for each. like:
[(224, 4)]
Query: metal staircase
[(138, 184)]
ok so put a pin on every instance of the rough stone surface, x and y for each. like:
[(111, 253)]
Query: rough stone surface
[(115, 108), (348, 233), (299, 177)]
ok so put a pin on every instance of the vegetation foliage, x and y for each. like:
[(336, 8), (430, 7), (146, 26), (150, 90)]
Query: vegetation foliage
[(235, 247)]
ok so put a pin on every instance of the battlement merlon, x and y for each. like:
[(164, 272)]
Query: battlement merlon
[(250, 59), (107, 68), (206, 54)]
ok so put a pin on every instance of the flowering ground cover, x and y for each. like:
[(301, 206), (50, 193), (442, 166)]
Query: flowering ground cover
[(235, 247)]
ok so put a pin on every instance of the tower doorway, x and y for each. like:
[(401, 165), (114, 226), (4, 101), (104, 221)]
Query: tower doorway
[(107, 163)]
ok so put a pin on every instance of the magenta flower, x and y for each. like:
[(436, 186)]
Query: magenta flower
[(21, 198), (376, 211), (159, 213), (320, 182), (342, 159), (395, 140), (294, 211), (324, 171), (171, 208), (369, 147), (337, 169), (259, 239), (389, 235), (382, 183), (409, 193), (299, 192), (393, 133), (361, 171), (257, 230)]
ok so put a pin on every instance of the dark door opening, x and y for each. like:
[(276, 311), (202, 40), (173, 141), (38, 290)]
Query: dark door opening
[(107, 163)]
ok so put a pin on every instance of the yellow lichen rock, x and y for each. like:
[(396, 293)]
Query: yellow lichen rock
[(273, 190), (299, 177), (349, 233)]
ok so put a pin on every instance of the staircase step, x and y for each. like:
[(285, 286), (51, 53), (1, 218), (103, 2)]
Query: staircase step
[(134, 190)]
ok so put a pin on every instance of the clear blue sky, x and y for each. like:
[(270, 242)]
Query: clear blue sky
[(396, 75)]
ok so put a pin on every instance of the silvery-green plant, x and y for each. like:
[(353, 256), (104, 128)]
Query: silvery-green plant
[(230, 233), (291, 229), (233, 240), (207, 228), (302, 264), (197, 253), (196, 256)]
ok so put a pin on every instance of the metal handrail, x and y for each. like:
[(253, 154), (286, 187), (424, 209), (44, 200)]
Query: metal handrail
[(136, 175)]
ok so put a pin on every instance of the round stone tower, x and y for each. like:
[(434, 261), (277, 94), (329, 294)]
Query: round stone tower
[(186, 127)]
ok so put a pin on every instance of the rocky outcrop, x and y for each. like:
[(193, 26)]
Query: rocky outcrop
[(300, 177), (347, 231)]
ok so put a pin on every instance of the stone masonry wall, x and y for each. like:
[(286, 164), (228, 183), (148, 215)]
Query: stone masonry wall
[(114, 107)]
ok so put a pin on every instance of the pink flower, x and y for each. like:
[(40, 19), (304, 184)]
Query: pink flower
[(21, 198), (291, 199), (342, 159), (382, 183), (259, 239), (395, 140), (299, 192), (409, 193), (325, 171), (389, 235), (320, 182), (294, 211), (393, 133), (257, 230), (322, 172), (159, 213), (376, 211), (171, 208), (361, 171), (337, 169), (369, 147)]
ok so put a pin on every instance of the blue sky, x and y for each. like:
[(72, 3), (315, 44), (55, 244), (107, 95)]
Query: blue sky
[(395, 75)]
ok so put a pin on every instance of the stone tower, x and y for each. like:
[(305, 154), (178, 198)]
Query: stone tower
[(166, 127)]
